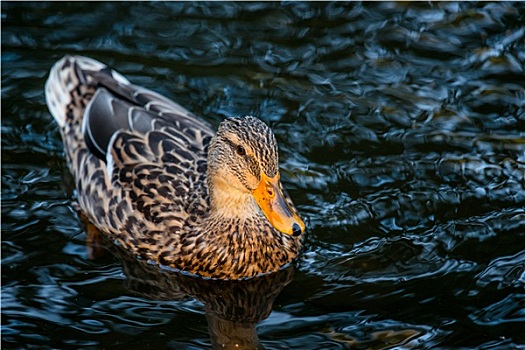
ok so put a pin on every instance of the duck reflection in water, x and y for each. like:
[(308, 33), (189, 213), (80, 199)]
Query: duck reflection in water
[(233, 308)]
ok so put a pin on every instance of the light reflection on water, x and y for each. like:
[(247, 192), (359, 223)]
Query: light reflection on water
[(402, 140)]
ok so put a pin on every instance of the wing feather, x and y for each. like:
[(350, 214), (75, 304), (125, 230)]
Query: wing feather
[(118, 106), (154, 149)]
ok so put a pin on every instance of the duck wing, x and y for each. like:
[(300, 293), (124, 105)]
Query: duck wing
[(155, 150), (117, 107)]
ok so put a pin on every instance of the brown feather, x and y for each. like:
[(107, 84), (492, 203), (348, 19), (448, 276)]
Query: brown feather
[(144, 180)]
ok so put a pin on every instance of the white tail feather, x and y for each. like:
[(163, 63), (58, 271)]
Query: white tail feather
[(63, 79)]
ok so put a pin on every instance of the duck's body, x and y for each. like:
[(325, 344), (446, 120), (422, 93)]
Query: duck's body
[(160, 183)]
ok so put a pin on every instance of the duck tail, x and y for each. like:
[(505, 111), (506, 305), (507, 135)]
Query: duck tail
[(70, 86)]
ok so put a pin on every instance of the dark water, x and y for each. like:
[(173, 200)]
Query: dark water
[(402, 141)]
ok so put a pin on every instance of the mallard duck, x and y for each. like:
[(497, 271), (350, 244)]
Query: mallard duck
[(162, 185)]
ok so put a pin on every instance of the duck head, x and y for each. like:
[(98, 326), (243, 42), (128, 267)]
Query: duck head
[(243, 174)]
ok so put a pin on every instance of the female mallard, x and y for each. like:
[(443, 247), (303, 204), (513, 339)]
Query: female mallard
[(160, 183)]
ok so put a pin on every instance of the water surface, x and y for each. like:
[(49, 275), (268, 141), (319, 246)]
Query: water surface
[(401, 129)]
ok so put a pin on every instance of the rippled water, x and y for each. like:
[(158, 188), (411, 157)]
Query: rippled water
[(402, 141)]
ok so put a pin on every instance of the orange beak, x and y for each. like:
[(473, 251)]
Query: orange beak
[(271, 200)]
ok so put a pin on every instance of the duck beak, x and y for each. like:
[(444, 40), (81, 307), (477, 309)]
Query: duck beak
[(271, 200)]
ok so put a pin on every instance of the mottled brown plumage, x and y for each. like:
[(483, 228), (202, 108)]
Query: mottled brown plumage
[(159, 182)]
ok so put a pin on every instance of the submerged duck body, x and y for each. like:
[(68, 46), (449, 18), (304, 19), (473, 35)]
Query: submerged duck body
[(160, 183)]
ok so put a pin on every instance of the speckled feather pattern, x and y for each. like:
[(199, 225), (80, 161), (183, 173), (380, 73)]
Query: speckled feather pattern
[(151, 193)]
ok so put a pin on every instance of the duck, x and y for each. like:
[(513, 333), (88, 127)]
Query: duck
[(161, 184)]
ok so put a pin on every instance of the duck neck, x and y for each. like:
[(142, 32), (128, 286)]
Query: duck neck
[(229, 202)]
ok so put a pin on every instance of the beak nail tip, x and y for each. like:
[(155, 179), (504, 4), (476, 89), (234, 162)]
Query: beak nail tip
[(296, 230)]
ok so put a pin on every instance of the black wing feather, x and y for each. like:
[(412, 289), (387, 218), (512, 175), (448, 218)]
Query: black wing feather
[(106, 115), (117, 106)]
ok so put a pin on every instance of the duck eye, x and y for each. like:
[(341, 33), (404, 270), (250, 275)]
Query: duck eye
[(240, 150)]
